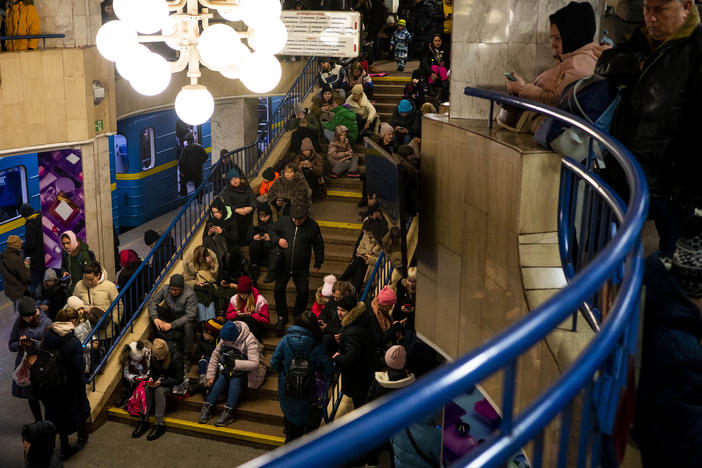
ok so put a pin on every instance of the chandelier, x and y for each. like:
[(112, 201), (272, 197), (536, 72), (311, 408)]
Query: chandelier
[(217, 46)]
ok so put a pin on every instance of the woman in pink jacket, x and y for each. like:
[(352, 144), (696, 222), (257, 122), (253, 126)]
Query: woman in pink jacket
[(572, 32), (237, 359), (250, 307)]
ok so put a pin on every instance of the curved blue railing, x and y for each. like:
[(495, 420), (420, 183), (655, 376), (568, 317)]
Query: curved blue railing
[(135, 294), (43, 37), (597, 375)]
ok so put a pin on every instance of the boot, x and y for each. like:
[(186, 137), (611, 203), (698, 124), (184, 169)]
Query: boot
[(225, 418), (205, 413), (141, 428), (156, 432)]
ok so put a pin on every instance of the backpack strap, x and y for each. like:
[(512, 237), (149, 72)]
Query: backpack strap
[(421, 454)]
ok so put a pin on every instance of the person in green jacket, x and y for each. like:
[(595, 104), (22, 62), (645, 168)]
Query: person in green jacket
[(343, 115), (76, 255)]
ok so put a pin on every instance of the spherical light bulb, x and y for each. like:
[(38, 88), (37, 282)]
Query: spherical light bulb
[(172, 24), (147, 16), (126, 10), (113, 37), (131, 60), (153, 77), (194, 104), (240, 52), (260, 73), (269, 39), (256, 13), (230, 13), (215, 46)]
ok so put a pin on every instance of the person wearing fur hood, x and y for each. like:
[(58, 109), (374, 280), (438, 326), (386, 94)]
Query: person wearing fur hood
[(310, 163), (394, 376), (290, 189), (238, 336), (356, 356), (340, 154)]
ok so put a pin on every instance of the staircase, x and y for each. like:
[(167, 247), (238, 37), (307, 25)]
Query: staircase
[(387, 93), (258, 418)]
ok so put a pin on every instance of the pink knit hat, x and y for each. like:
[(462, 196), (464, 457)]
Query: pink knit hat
[(396, 357), (387, 296)]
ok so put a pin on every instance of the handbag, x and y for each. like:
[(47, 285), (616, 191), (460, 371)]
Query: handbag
[(276, 259), (21, 373), (136, 405), (515, 119)]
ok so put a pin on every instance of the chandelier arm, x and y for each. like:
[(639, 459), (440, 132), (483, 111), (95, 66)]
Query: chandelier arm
[(176, 5), (182, 62), (219, 3)]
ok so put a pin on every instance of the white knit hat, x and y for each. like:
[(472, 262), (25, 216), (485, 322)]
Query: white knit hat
[(329, 282), (75, 303)]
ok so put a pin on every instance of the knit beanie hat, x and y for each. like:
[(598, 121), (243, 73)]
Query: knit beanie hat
[(136, 350), (26, 306), (396, 357), (75, 303), (357, 89), (264, 208), (402, 22), (268, 174), (244, 284), (214, 326), (299, 108), (326, 88), (50, 274), (404, 106), (387, 296), (233, 173), (159, 349), (347, 302), (229, 332), (151, 236), (687, 259), (14, 241), (26, 210), (385, 128), (306, 145), (576, 24), (329, 282), (177, 281)]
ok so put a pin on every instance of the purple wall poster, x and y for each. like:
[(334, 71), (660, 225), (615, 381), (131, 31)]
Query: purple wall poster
[(62, 199)]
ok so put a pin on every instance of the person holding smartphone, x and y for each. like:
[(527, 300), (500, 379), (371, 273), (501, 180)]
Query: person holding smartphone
[(406, 290)]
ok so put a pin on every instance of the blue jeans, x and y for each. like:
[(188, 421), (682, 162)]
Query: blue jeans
[(233, 386), (206, 312)]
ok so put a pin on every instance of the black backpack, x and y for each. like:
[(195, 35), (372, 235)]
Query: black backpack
[(227, 357), (48, 375), (300, 381)]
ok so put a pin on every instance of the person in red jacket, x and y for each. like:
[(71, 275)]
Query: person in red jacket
[(250, 307)]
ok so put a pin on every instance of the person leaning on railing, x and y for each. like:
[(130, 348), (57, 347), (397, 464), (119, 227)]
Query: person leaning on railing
[(22, 19)]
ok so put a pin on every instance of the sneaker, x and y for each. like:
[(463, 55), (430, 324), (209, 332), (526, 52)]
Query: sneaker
[(156, 432), (226, 417), (205, 413), (355, 175)]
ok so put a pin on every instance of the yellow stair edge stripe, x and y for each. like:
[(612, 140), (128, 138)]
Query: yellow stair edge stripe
[(339, 225), (343, 193), (402, 79), (208, 429)]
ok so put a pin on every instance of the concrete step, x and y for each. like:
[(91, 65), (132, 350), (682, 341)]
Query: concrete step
[(344, 194), (184, 420), (353, 184), (251, 408)]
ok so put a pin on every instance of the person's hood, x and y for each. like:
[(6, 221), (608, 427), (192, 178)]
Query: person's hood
[(394, 379), (354, 314), (244, 333), (363, 102), (339, 130), (127, 256), (300, 340), (63, 328), (226, 210), (74, 240), (592, 49)]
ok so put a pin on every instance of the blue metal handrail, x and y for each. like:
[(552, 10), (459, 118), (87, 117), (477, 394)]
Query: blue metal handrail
[(598, 373), (43, 37), (120, 315)]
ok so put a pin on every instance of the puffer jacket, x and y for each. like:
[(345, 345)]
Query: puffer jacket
[(101, 296), (549, 85), (239, 197), (336, 153), (356, 357), (412, 121), (301, 241), (343, 115), (253, 365), (334, 77), (363, 107), (669, 396), (427, 436), (318, 102), (315, 158), (260, 313), (371, 247), (15, 275), (658, 117), (22, 19), (298, 342), (194, 275), (387, 381), (295, 190)]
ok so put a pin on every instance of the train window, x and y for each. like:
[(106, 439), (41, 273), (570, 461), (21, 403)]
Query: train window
[(121, 157), (13, 192), (148, 149)]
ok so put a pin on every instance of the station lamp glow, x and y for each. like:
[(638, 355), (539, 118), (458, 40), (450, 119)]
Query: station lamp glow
[(215, 46)]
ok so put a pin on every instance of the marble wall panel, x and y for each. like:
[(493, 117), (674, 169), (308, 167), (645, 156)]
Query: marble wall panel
[(522, 22), (489, 20), (521, 59), (81, 31)]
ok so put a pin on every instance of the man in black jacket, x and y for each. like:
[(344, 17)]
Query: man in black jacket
[(33, 244), (296, 235), (191, 161), (14, 271), (658, 117)]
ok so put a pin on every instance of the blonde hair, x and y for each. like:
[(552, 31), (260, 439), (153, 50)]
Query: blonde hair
[(250, 305), (427, 108)]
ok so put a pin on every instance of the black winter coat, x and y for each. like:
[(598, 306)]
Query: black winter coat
[(356, 358), (230, 228), (658, 118), (15, 276), (174, 374), (56, 297), (331, 318), (34, 242), (669, 397), (425, 21), (68, 409), (301, 241), (239, 197), (412, 121), (192, 159)]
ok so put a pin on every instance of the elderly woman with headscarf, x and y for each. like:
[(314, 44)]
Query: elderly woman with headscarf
[(76, 255)]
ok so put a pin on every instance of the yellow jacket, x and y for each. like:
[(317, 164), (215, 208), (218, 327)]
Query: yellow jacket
[(22, 20), (448, 23)]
